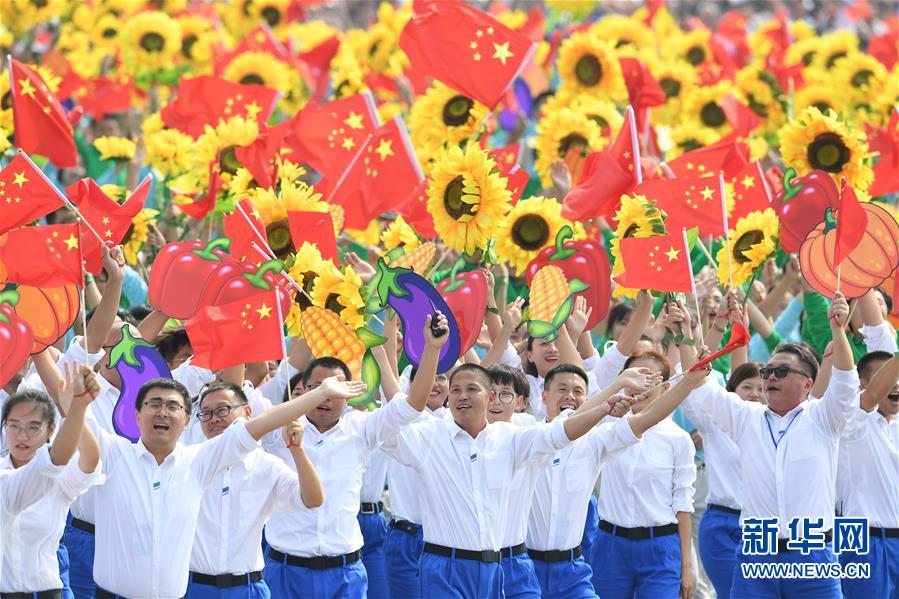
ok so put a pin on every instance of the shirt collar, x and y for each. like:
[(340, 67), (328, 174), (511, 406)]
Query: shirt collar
[(791, 413)]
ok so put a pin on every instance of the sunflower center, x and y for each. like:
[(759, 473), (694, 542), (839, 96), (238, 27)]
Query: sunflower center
[(457, 111), (745, 242), (109, 32), (630, 231), (689, 144), (588, 70), (6, 101), (695, 55), (453, 203), (624, 42), (828, 152), (712, 115), (670, 86), (186, 44), (271, 15), (373, 49), (603, 124), (757, 107), (332, 304), (808, 57), (278, 234), (530, 232), (861, 78), (252, 79), (572, 141), (302, 299), (152, 42), (228, 160), (40, 3), (834, 58), (824, 107)]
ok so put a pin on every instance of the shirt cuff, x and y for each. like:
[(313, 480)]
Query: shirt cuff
[(624, 434), (557, 434), (879, 338), (243, 438), (510, 357), (45, 465)]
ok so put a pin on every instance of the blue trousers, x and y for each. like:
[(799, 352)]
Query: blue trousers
[(62, 557), (565, 580), (883, 557), (345, 582), (401, 554), (450, 578), (255, 590), (720, 537), (520, 578), (374, 531), (785, 588), (591, 528), (641, 568), (80, 546)]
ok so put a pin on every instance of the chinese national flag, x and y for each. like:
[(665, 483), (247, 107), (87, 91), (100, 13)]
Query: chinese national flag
[(415, 210), (886, 170), (41, 125), (25, 194), (657, 263), (383, 175), (204, 100), (750, 191), (103, 95), (314, 228), (246, 330), (465, 48), (729, 156), (852, 220), (245, 228), (687, 203), (642, 88), (41, 256), (205, 203), (507, 162)]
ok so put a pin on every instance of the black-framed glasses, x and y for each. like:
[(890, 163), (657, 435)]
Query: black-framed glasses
[(505, 397), (220, 412), (780, 372), (155, 407)]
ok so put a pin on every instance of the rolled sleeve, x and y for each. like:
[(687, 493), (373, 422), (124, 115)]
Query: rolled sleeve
[(73, 481), (684, 477), (193, 377), (557, 435), (881, 337), (608, 366), (832, 412)]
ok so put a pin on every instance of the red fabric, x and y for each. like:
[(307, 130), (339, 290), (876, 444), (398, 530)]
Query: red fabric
[(438, 38), (204, 100), (242, 233), (206, 202), (858, 10), (25, 201), (687, 202), (886, 170), (315, 228), (642, 88), (728, 155), (852, 220), (41, 256), (247, 330), (40, 122), (600, 189), (885, 48), (739, 336), (414, 209), (658, 263), (749, 192), (102, 95), (740, 116)]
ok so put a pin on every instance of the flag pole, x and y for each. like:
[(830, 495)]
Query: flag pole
[(82, 294), (758, 165), (635, 144), (730, 262), (707, 253), (693, 286)]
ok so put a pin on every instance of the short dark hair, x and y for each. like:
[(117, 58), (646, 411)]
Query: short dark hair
[(163, 383), (140, 312), (502, 374), (866, 363), (749, 370), (659, 359), (295, 380), (170, 341), (223, 387), (477, 369), (329, 362), (803, 353), (48, 408), (563, 369), (619, 312)]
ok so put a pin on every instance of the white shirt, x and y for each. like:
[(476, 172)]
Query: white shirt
[(235, 507), (796, 477), (606, 368), (881, 337), (522, 491), (274, 388), (150, 510), (374, 477), (194, 432), (722, 458), (29, 549), (464, 482), (559, 512), (869, 469), (340, 456), (647, 484), (404, 496), (101, 409)]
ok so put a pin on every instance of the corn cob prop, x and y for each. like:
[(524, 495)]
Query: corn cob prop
[(551, 301), (419, 259), (327, 335)]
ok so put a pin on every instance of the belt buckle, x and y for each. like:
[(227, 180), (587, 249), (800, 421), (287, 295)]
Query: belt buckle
[(367, 511), (222, 581)]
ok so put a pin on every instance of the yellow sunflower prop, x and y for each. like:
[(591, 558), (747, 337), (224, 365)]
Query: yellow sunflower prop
[(304, 268), (860, 77), (399, 233), (602, 112), (826, 142), (219, 142), (197, 41), (467, 198), (272, 12), (751, 243), (459, 118), (259, 68), (625, 33), (137, 235), (637, 217), (292, 196), (764, 97), (589, 65), (684, 138), (340, 292), (530, 226), (821, 95), (150, 41), (677, 79), (693, 46), (562, 131), (702, 107), (832, 47), (120, 149)]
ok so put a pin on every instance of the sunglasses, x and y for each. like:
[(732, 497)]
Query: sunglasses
[(780, 372)]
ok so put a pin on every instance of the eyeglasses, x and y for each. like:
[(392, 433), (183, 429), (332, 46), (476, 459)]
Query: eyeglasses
[(220, 412), (30, 431), (780, 372), (172, 407), (505, 397)]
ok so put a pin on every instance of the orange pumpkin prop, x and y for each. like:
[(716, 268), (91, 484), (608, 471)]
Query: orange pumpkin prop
[(49, 310), (867, 266)]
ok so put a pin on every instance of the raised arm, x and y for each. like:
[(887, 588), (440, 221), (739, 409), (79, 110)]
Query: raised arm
[(638, 379), (104, 316), (150, 326), (665, 404), (636, 326), (878, 334), (311, 492), (420, 388), (78, 390), (390, 382), (501, 341), (832, 412), (882, 383)]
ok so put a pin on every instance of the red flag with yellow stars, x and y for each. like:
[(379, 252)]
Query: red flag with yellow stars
[(41, 125), (25, 194), (728, 155), (507, 161), (247, 330), (314, 228), (414, 209), (465, 48), (657, 263), (41, 256), (750, 191), (245, 227), (687, 202)]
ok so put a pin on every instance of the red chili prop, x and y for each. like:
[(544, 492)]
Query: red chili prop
[(466, 295), (584, 260), (801, 205), (15, 337), (235, 280)]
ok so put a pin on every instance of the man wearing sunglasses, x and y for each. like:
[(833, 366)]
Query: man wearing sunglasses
[(788, 452)]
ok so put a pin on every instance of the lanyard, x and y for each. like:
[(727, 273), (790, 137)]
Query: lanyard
[(771, 432)]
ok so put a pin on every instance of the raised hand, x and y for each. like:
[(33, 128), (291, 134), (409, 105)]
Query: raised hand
[(619, 405), (513, 314), (436, 335), (365, 270), (839, 311), (79, 384), (334, 387), (113, 262), (578, 318), (293, 434), (638, 379)]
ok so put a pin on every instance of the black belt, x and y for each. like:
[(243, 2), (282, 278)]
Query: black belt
[(226, 581), (782, 543), (371, 508), (55, 594), (722, 508), (404, 525), (638, 533), (555, 556), (508, 552), (322, 562), (82, 525), (487, 556), (884, 532)]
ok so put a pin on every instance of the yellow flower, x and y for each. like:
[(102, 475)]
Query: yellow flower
[(883, 105), (340, 292), (677, 79), (601, 112), (702, 107), (167, 151), (860, 78), (22, 15), (399, 233), (309, 34), (272, 12), (273, 208), (625, 33), (821, 95), (367, 236), (681, 139), (137, 235), (105, 32), (562, 131), (528, 228), (513, 19), (304, 269), (150, 41), (693, 46), (760, 92), (586, 64), (259, 68), (576, 9), (827, 143), (803, 51), (120, 149), (197, 41), (751, 243), (467, 198), (443, 116), (832, 47), (221, 142), (636, 217)]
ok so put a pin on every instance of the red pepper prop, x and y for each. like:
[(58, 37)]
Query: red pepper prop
[(234, 280), (466, 295), (802, 204), (584, 260), (15, 338)]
